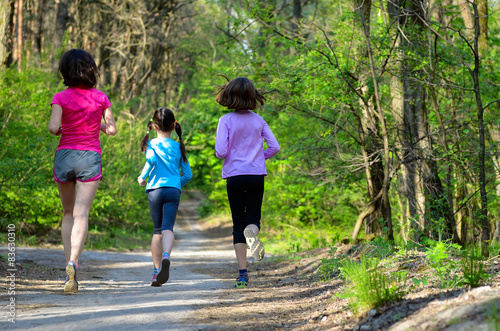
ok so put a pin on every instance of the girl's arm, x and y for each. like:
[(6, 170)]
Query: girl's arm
[(150, 161), (55, 120), (273, 147), (109, 125), (186, 173), (221, 140)]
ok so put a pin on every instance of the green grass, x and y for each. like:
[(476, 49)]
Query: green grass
[(289, 239), (118, 240), (371, 284)]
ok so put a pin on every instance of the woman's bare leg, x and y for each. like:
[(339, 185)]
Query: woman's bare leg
[(75, 227), (67, 194)]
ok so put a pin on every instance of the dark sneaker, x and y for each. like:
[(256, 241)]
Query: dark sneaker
[(154, 281), (241, 283), (164, 272), (256, 248), (71, 284)]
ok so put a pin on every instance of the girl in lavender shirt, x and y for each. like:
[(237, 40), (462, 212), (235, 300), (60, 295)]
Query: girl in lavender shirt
[(77, 114), (239, 142)]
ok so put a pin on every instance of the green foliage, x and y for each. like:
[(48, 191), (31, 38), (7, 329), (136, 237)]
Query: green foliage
[(316, 186), (472, 264), (117, 238), (25, 157), (448, 260), (439, 258), (492, 316), (330, 267), (28, 193), (290, 239), (372, 284)]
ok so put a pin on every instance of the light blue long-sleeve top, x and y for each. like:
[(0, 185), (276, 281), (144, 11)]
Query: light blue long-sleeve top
[(164, 164), (240, 142)]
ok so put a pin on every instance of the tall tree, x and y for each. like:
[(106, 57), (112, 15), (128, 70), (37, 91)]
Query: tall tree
[(60, 25), (6, 9), (372, 143)]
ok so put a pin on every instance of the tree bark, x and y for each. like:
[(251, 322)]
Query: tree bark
[(60, 23), (482, 14), (372, 142), (5, 24), (297, 15), (19, 38), (466, 15)]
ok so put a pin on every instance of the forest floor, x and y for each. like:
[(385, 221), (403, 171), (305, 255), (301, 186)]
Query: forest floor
[(288, 292), (285, 292)]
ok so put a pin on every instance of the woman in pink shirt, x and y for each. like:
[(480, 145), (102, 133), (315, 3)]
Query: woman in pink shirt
[(77, 114), (239, 142)]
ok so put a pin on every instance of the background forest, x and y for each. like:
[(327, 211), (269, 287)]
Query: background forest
[(387, 112)]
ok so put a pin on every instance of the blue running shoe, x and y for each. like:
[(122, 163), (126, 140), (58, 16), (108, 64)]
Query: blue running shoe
[(241, 283)]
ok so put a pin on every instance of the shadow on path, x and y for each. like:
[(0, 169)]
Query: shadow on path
[(115, 291)]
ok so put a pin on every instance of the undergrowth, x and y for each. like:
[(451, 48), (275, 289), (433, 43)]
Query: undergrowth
[(375, 271)]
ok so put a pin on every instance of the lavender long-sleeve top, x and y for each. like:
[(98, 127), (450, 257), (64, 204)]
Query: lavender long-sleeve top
[(240, 143)]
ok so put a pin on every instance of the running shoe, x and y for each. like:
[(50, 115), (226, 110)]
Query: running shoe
[(256, 248), (164, 272), (241, 283), (154, 281), (71, 284)]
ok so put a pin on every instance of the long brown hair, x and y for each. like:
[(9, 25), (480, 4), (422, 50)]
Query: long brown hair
[(164, 120)]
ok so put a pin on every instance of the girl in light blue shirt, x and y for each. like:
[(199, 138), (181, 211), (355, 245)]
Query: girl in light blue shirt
[(168, 170)]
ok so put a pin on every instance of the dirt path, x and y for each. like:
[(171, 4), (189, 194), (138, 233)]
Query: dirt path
[(115, 291), (285, 292)]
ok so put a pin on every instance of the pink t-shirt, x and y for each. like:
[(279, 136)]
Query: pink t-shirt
[(83, 109)]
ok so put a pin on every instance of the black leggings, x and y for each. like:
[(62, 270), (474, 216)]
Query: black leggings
[(245, 194)]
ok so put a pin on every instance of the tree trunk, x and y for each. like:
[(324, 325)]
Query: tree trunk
[(369, 128), (38, 30), (466, 15), (297, 15), (482, 13), (5, 24), (60, 23), (19, 38), (480, 38)]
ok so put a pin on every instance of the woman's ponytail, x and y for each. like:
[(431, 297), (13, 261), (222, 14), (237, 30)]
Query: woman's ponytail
[(178, 130), (145, 140)]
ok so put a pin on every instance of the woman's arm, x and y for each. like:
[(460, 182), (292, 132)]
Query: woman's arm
[(55, 120), (109, 125)]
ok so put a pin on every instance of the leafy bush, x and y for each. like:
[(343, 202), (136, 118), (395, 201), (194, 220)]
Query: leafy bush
[(439, 258)]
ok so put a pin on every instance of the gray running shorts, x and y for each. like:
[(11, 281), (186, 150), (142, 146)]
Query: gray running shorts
[(72, 164)]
